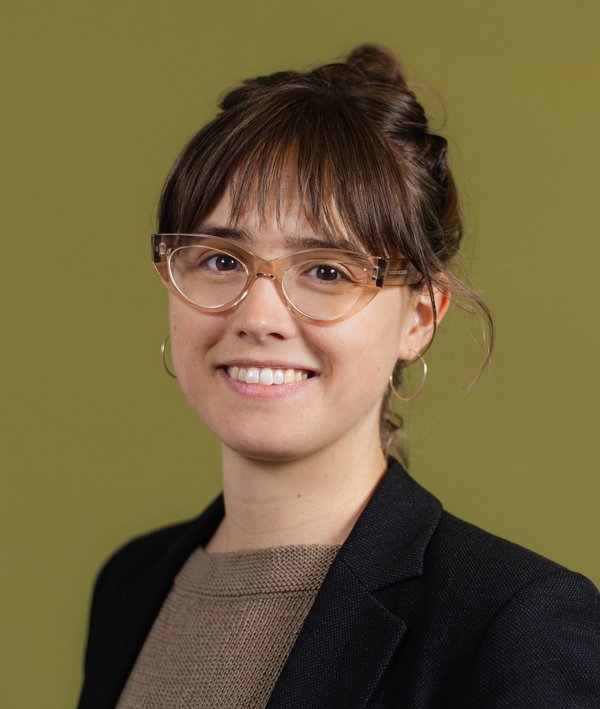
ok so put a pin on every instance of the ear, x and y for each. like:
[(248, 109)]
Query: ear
[(423, 313)]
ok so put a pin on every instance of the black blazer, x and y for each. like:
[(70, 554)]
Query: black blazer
[(419, 609)]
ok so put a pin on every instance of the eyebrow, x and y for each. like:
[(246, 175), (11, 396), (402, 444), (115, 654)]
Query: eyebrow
[(297, 242), (229, 232), (290, 241)]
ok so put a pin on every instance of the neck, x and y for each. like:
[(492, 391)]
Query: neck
[(315, 500)]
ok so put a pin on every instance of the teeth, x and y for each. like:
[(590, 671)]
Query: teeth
[(252, 375), (266, 375)]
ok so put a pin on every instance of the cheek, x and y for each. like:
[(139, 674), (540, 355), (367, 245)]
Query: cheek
[(192, 335), (361, 363), (370, 342)]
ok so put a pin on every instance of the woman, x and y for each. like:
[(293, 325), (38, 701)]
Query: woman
[(306, 236)]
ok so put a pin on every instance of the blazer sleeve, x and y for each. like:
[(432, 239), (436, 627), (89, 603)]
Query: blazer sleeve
[(542, 648)]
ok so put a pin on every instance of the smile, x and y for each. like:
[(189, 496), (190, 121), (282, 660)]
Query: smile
[(267, 375)]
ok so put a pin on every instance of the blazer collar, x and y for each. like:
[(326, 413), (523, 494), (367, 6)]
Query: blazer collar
[(388, 542)]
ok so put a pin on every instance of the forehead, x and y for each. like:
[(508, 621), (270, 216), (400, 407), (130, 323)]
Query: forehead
[(281, 221)]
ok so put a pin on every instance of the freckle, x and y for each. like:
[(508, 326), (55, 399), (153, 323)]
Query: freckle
[(298, 495)]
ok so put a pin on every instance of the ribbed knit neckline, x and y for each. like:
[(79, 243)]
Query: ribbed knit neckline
[(283, 569)]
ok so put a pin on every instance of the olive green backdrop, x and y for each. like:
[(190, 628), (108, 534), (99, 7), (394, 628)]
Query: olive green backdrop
[(99, 445)]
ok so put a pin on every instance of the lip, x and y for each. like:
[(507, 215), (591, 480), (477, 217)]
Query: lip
[(266, 391)]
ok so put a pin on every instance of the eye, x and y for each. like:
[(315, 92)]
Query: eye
[(327, 272), (221, 262), (194, 258)]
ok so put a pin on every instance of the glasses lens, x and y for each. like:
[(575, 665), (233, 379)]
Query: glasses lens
[(206, 276), (326, 288)]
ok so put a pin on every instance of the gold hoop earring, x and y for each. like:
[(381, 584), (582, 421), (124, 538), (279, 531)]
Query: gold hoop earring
[(419, 390), (163, 348)]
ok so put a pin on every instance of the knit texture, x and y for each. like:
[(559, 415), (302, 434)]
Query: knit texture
[(226, 628)]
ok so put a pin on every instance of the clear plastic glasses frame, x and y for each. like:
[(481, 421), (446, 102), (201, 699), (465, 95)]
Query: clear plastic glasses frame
[(361, 276)]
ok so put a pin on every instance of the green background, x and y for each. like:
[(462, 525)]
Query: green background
[(99, 445)]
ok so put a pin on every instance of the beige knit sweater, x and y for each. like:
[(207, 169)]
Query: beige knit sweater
[(227, 628)]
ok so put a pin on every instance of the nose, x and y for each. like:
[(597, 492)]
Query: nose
[(263, 314)]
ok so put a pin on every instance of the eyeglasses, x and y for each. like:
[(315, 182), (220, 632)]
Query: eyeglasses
[(214, 274)]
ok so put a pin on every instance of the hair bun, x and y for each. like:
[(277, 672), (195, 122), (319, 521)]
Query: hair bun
[(378, 64)]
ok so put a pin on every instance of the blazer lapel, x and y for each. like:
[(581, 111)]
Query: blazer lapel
[(349, 637), (346, 643)]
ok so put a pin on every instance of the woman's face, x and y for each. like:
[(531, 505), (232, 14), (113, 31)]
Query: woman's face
[(348, 363)]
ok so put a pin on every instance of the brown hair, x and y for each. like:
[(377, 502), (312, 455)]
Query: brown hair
[(360, 149)]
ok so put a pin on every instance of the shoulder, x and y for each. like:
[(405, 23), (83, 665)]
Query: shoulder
[(531, 625), (452, 566), (484, 573), (134, 582), (468, 547), (125, 578), (450, 555), (159, 553), (493, 566), (140, 554), (489, 622)]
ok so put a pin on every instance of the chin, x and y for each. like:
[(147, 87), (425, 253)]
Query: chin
[(270, 447), (272, 453)]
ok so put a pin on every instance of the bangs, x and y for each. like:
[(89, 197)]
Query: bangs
[(295, 145)]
